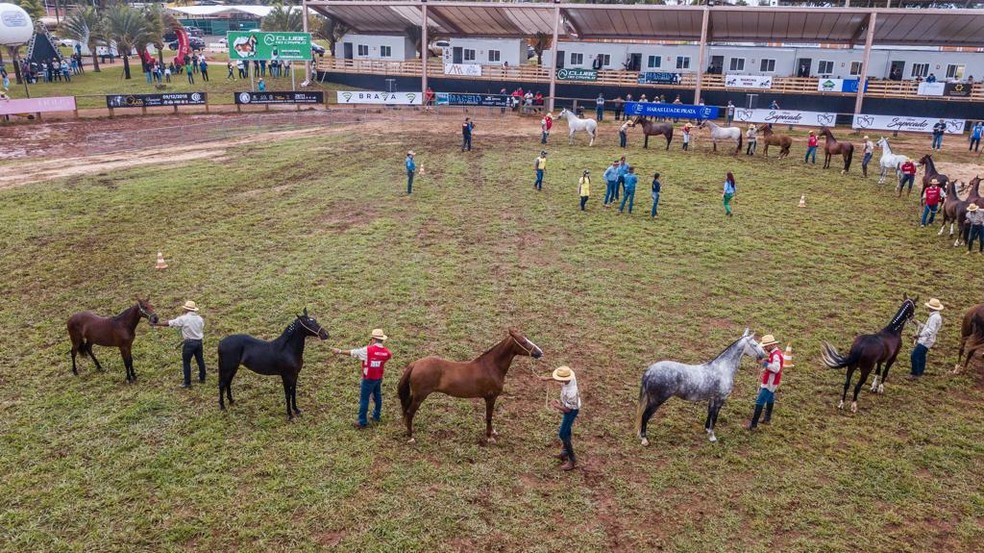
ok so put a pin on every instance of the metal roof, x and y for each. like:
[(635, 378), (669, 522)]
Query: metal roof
[(923, 27)]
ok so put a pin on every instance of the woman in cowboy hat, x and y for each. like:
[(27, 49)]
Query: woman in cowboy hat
[(569, 405), (374, 357), (771, 375), (193, 332), (584, 188), (411, 169), (926, 337)]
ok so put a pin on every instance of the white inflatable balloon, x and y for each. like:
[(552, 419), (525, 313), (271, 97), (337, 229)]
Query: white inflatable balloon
[(16, 26)]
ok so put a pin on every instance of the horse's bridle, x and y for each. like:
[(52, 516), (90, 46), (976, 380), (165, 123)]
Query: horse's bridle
[(529, 351), (143, 311), (306, 327)]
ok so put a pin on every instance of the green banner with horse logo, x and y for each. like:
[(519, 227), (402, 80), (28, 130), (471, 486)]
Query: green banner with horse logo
[(250, 45), (568, 74)]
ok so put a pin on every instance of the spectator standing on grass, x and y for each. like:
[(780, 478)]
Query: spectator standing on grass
[(729, 192), (925, 338), (657, 189), (908, 176), (189, 70), (869, 151), (623, 169), (240, 67), (630, 179), (261, 85), (811, 148), (203, 67), (229, 68), (729, 113), (610, 177), (600, 107), (931, 200), (771, 376), (623, 133), (570, 406), (411, 169), (167, 73), (374, 357), (466, 134), (540, 166), (938, 130), (192, 333), (975, 136), (584, 188), (686, 137), (974, 224)]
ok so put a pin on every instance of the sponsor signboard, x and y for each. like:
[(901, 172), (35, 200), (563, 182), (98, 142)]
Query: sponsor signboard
[(37, 105), (930, 89), (786, 117), (657, 77), (256, 45), (463, 99), (155, 100), (838, 85), (960, 90), (285, 97), (747, 81), (685, 111), (571, 74), (463, 69), (905, 123), (376, 97)]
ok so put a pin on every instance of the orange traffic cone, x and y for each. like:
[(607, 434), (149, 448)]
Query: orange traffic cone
[(421, 169), (160, 261), (787, 357), (802, 201)]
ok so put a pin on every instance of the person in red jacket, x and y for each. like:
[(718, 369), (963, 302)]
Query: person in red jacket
[(374, 358), (811, 148), (771, 375), (931, 198), (908, 175)]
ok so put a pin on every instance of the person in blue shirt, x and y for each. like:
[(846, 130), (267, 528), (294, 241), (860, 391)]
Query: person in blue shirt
[(466, 134), (611, 182), (630, 179), (600, 106), (261, 85), (623, 168), (975, 136), (657, 188), (730, 187), (411, 169)]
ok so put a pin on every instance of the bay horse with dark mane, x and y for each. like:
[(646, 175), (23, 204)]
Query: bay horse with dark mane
[(971, 335), (654, 129), (283, 356), (954, 209), (869, 351), (482, 377), (769, 138), (831, 148), (86, 329), (930, 173)]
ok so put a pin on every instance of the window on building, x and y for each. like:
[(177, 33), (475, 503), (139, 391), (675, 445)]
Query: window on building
[(385, 51), (469, 54), (606, 59), (855, 68), (654, 61), (825, 67), (955, 71), (577, 59), (683, 62), (363, 49), (494, 56), (737, 64), (920, 69), (767, 66)]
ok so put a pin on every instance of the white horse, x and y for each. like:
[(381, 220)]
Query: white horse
[(711, 381), (575, 123), (723, 133), (889, 161)]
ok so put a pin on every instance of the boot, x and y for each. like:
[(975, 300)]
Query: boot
[(569, 465), (562, 456), (768, 413), (753, 424)]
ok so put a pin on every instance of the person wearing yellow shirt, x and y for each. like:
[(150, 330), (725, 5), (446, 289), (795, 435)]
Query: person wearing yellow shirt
[(540, 165), (584, 188)]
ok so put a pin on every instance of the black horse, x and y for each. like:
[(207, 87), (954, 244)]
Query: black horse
[(283, 356), (870, 350)]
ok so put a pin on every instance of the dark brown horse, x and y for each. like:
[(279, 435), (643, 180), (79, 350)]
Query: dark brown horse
[(930, 173), (654, 129), (833, 148), (954, 209), (971, 335), (869, 351), (86, 329), (482, 377), (770, 138)]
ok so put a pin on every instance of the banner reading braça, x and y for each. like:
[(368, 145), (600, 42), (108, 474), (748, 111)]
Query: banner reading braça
[(256, 45), (375, 97)]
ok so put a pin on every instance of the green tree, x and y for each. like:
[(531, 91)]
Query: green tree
[(87, 26), (159, 22), (332, 30), (540, 42), (127, 27), (282, 19), (34, 8)]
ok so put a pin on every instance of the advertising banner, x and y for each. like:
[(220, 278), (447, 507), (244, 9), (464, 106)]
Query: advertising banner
[(464, 99), (931, 89), (37, 105), (684, 111), (375, 97), (747, 81), (905, 123), (838, 85), (155, 100), (463, 69), (256, 45), (657, 77), (285, 97), (569, 74), (786, 117), (959, 90)]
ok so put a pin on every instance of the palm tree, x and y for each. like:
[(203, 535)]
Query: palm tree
[(331, 30), (86, 25), (282, 19), (159, 22), (127, 27), (540, 42)]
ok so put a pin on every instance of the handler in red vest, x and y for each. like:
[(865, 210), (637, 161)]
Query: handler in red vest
[(374, 358), (771, 375)]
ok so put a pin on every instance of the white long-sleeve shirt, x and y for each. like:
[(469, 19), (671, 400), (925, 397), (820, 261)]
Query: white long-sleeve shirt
[(928, 331)]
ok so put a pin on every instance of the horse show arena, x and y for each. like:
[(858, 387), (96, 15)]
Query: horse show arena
[(262, 215)]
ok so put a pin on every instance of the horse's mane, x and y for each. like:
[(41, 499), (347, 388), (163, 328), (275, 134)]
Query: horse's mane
[(897, 319), (731, 345), (125, 311), (495, 345)]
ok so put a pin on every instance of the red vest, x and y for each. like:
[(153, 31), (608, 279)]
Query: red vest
[(908, 168), (769, 377), (932, 195), (376, 358), (812, 142)]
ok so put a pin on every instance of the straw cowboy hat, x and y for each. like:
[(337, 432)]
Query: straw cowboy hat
[(752, 126), (934, 304), (768, 340), (190, 306), (377, 334), (543, 152), (865, 137), (935, 181), (410, 153), (971, 208), (811, 132), (563, 374)]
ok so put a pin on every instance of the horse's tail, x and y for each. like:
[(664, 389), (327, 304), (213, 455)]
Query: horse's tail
[(403, 389), (641, 409), (848, 157), (835, 360), (739, 139)]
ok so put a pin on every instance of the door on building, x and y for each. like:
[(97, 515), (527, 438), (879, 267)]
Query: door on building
[(895, 70), (635, 62), (456, 55), (561, 55), (347, 50), (803, 67), (717, 65)]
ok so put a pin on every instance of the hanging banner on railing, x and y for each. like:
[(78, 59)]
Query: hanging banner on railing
[(747, 81), (905, 123), (838, 85), (463, 69), (279, 97), (463, 99), (685, 111), (571, 74), (960, 90), (37, 105), (656, 77), (931, 89), (155, 100), (786, 117), (374, 97)]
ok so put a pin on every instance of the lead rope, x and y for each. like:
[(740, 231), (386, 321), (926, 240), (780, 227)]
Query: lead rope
[(529, 365)]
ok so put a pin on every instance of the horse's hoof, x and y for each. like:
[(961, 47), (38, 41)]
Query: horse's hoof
[(881, 388), (840, 405), (645, 442), (713, 438), (412, 441), (854, 407), (297, 412), (221, 407)]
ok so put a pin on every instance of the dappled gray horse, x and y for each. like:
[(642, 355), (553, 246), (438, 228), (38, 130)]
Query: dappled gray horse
[(711, 381)]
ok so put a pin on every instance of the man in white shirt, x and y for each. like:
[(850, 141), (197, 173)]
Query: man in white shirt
[(193, 332), (926, 337), (569, 405)]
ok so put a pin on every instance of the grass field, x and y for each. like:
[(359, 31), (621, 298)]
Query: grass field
[(91, 463)]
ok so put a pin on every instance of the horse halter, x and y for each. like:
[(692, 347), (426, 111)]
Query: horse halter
[(309, 329), (529, 351), (143, 311)]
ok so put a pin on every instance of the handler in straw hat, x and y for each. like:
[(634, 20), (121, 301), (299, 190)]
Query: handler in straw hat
[(752, 138), (193, 332), (926, 337), (545, 125), (374, 357), (570, 406), (771, 375), (869, 150), (411, 169)]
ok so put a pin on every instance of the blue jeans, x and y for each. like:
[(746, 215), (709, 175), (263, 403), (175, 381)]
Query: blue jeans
[(929, 211), (764, 397), (584, 200), (811, 154), (918, 359), (539, 180), (565, 432), (975, 231), (367, 388), (409, 181), (937, 141), (865, 161), (189, 349), (622, 138), (543, 137), (906, 178), (600, 112), (655, 205), (466, 142), (610, 188), (628, 196)]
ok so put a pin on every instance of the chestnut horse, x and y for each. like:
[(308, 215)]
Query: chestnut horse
[(86, 329), (770, 138), (930, 173), (832, 148), (483, 377), (971, 335), (654, 129), (954, 209), (869, 351)]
